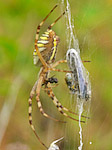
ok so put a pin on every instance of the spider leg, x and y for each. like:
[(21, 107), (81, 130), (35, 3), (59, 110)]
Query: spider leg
[(52, 68), (58, 62), (58, 105), (37, 36), (39, 26), (58, 70), (86, 61), (52, 86), (56, 20), (65, 61), (39, 102), (66, 109), (32, 93)]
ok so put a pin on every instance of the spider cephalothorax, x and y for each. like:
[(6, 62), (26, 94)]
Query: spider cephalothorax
[(50, 80)]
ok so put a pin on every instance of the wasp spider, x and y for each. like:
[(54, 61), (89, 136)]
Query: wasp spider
[(45, 53)]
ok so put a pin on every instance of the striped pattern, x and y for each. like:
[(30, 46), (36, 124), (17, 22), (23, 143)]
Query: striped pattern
[(59, 106), (36, 88), (30, 113), (42, 111), (47, 46), (44, 52), (37, 37)]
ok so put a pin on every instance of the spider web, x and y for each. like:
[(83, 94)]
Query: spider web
[(73, 47)]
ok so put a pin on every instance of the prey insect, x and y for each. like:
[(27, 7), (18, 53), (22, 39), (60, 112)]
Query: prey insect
[(45, 53), (77, 81)]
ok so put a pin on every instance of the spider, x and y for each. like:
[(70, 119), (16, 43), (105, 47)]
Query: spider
[(45, 53)]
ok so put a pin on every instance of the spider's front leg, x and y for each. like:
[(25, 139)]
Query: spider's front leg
[(52, 67), (59, 62), (58, 70), (37, 37)]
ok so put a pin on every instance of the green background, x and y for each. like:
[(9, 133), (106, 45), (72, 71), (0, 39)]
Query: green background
[(93, 26)]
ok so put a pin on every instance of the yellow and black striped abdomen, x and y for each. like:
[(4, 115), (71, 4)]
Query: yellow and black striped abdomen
[(47, 45)]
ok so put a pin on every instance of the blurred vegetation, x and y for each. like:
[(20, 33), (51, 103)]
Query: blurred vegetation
[(93, 25)]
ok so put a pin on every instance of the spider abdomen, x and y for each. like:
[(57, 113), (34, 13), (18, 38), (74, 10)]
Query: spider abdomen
[(47, 45)]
